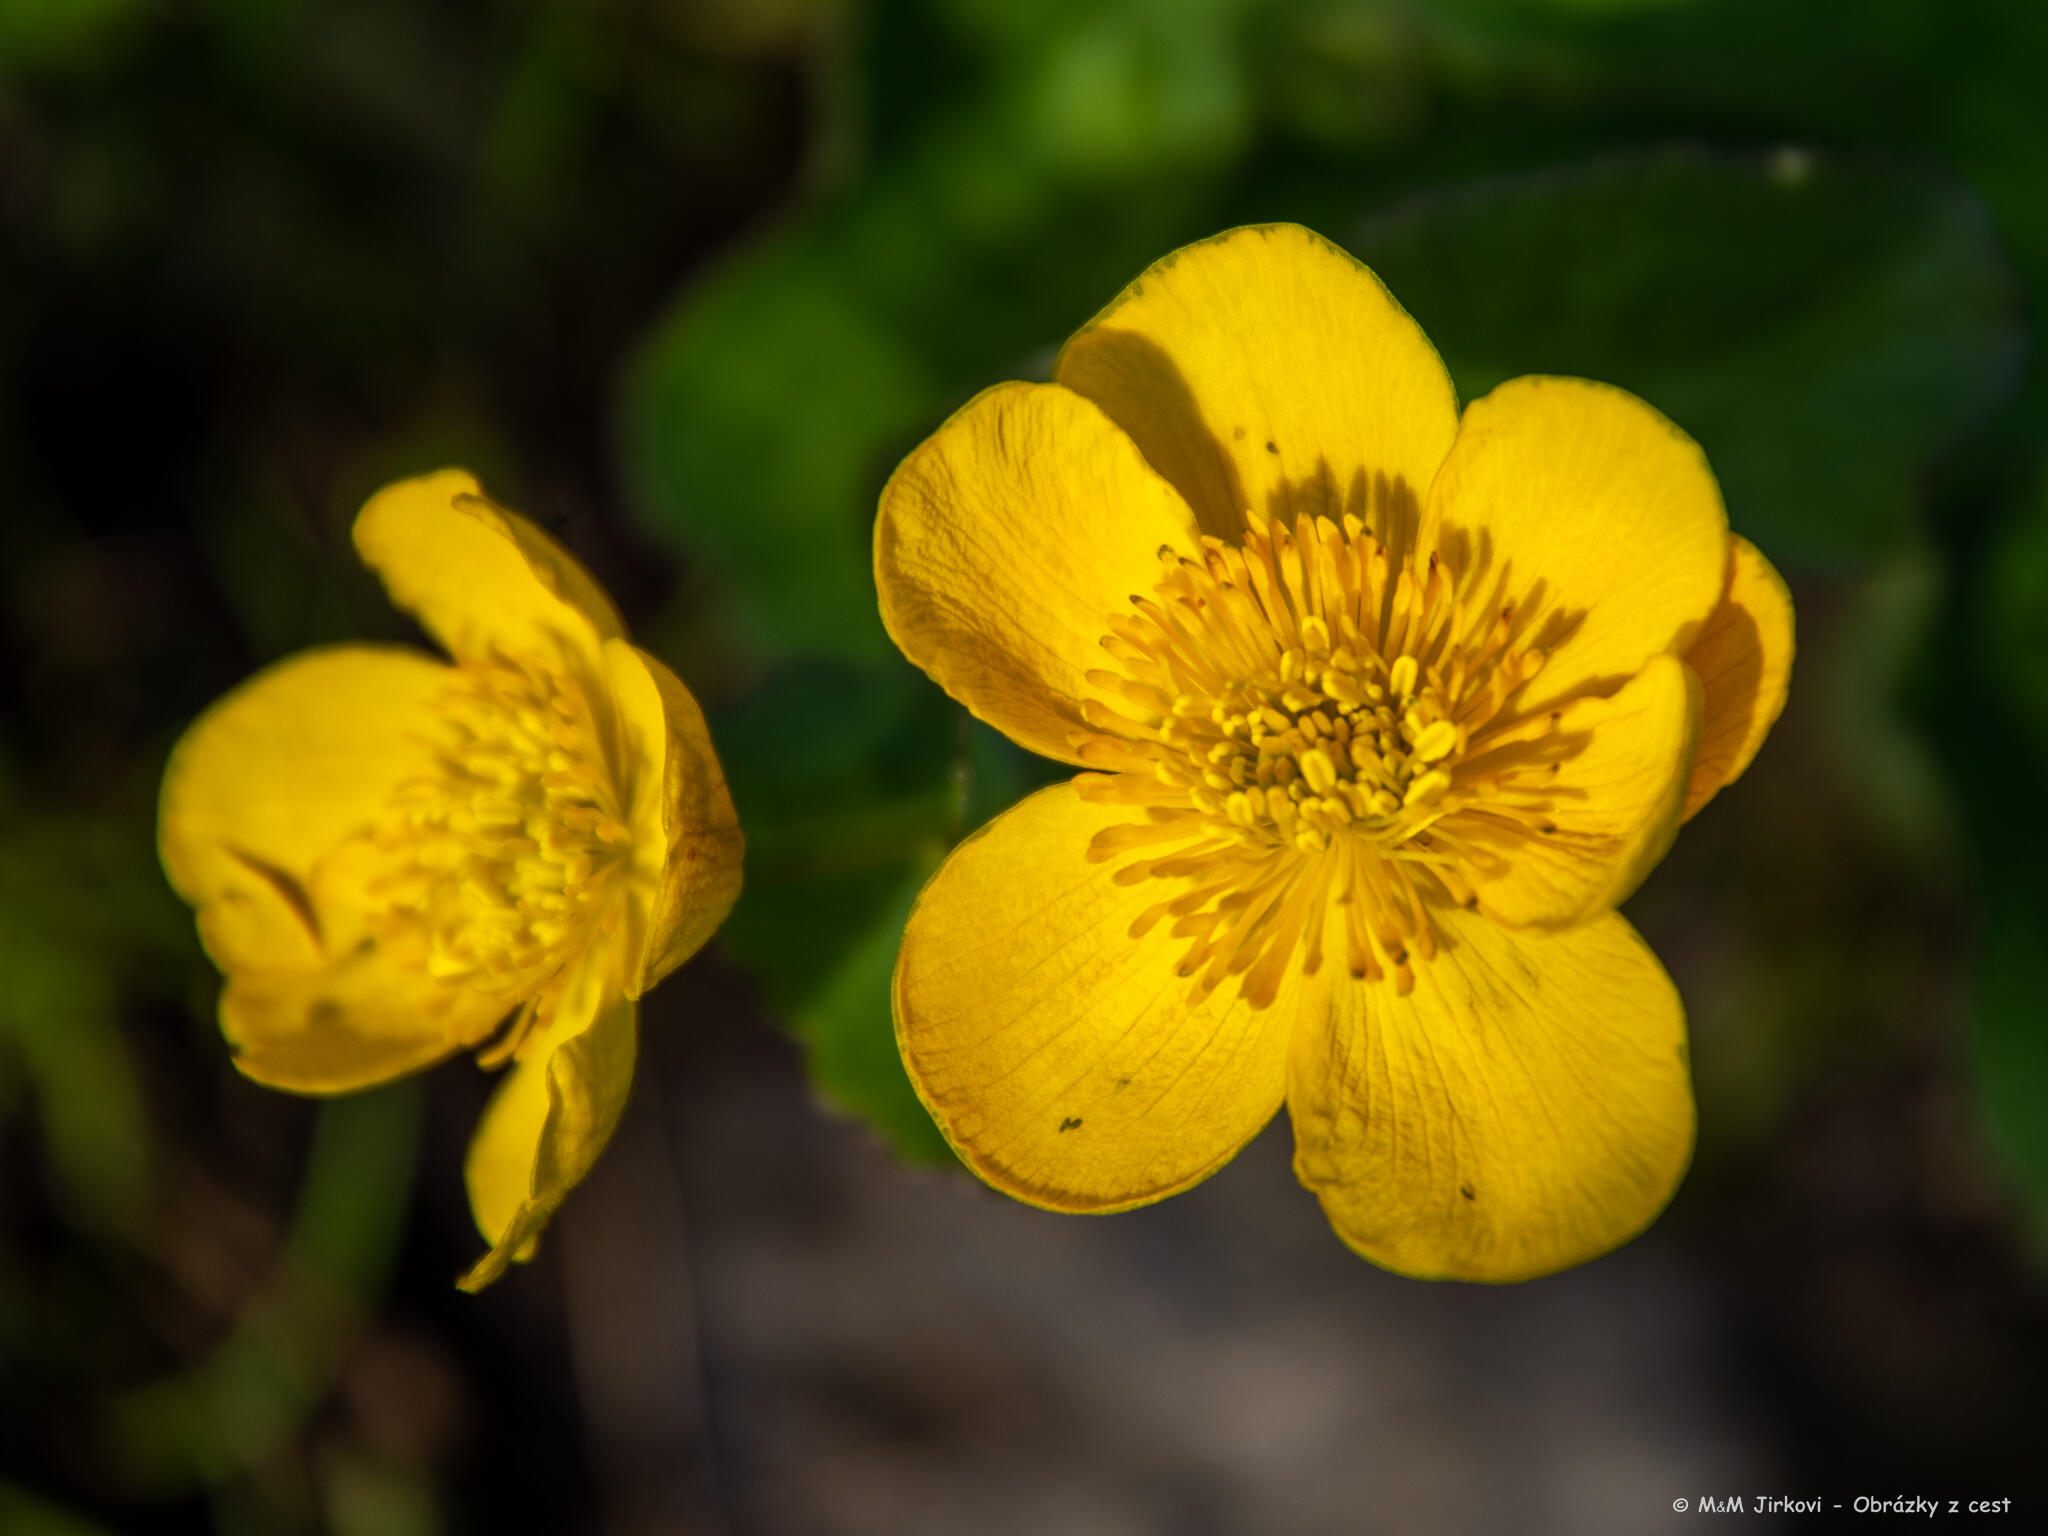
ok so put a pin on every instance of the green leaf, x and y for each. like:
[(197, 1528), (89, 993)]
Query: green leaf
[(1981, 696), (756, 420), (1991, 720), (2017, 614), (837, 1003), (2010, 1056), (1882, 628), (837, 769), (1824, 328), (1988, 753), (852, 782), (1961, 79), (762, 416), (844, 780)]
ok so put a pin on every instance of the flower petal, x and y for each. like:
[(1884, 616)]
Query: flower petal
[(687, 846), (358, 1020), (477, 575), (1525, 1108), (1004, 543), (545, 1127), (1066, 1060), (1266, 368), (276, 775), (1594, 513), (1612, 809), (1744, 661)]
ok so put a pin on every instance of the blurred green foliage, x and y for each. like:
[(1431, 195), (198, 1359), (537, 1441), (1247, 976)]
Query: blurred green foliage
[(86, 923), (83, 910), (239, 1405), (852, 783), (1991, 727), (1824, 328), (22, 1512), (764, 412), (256, 258), (44, 32), (728, 260)]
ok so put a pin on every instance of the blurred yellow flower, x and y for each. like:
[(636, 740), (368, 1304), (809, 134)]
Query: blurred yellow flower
[(394, 857), (1387, 710)]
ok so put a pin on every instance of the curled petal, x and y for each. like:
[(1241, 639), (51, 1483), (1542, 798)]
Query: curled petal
[(687, 846), (1744, 660), (1607, 814), (549, 1120), (476, 575)]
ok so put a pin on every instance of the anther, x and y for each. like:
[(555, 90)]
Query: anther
[(1320, 772), (1428, 789), (1436, 742)]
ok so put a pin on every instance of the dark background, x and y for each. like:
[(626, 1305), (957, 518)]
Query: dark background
[(682, 279)]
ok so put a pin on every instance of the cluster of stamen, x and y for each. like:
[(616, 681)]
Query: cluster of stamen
[(502, 858), (1332, 735)]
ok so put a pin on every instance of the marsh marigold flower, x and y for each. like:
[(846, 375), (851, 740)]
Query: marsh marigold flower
[(1382, 711), (396, 857)]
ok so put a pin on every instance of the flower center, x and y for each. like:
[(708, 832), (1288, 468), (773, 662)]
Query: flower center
[(505, 855), (1331, 733)]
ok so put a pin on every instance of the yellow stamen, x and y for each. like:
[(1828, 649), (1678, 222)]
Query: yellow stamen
[(504, 862), (1309, 698)]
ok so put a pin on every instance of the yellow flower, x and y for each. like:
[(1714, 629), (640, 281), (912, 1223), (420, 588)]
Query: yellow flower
[(394, 858), (1387, 710)]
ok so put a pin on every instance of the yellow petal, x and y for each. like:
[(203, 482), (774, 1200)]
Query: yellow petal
[(1267, 369), (1525, 1108), (477, 575), (1744, 661), (548, 1122), (1066, 1061), (1004, 543), (687, 846), (357, 1020), (1595, 512), (276, 775), (1612, 808)]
